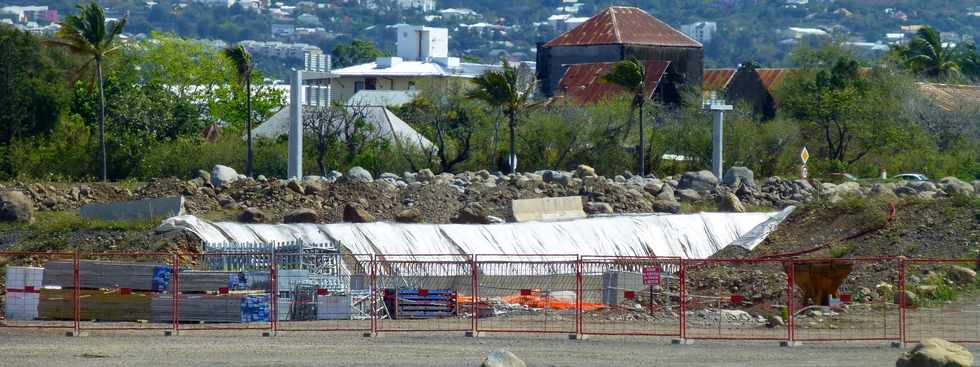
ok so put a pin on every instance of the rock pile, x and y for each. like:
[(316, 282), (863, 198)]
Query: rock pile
[(424, 196)]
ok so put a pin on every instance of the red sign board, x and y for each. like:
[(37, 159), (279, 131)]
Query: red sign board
[(629, 294), (525, 292), (322, 292), (651, 276)]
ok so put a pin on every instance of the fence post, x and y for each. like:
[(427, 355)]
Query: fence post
[(579, 293), (474, 293), (374, 296), (902, 303), (274, 279), (790, 267), (76, 294), (683, 300), (175, 293)]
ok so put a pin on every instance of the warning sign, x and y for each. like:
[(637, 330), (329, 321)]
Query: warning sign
[(651, 276)]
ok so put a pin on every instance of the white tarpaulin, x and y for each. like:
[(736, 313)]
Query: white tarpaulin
[(694, 236)]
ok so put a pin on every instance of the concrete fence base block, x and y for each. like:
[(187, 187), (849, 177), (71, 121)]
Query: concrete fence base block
[(790, 344), (371, 335), (898, 345), (682, 341), (472, 334), (145, 209), (268, 334), (76, 334), (578, 337), (170, 333)]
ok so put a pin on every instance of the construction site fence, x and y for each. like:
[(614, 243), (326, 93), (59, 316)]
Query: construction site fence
[(886, 299)]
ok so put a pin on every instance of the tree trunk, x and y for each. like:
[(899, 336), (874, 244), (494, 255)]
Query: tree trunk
[(248, 124), (495, 147), (105, 167), (642, 158), (513, 141)]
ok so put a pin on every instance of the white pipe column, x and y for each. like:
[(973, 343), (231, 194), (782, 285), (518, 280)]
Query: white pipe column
[(295, 169), (718, 107)]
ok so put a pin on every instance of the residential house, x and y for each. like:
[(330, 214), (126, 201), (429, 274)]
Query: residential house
[(619, 33)]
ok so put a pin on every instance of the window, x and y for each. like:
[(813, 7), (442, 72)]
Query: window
[(370, 83), (358, 86)]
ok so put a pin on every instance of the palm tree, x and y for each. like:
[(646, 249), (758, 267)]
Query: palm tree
[(242, 60), (926, 54), (509, 90), (630, 74), (88, 35)]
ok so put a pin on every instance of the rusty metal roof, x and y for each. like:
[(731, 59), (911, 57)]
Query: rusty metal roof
[(717, 79), (584, 84), (772, 78), (623, 25)]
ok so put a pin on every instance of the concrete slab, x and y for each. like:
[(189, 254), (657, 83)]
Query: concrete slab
[(135, 210), (545, 209)]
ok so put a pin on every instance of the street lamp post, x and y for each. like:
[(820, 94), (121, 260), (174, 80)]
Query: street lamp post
[(718, 107)]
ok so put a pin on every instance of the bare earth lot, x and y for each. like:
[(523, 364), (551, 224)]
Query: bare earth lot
[(48, 348)]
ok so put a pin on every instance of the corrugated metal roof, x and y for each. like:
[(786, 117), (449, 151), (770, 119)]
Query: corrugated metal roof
[(624, 25), (717, 79), (772, 78), (584, 84), (950, 97)]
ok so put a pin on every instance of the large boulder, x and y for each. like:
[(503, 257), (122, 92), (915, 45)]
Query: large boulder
[(313, 186), (223, 175), (16, 207), (730, 203), (688, 195), (953, 185), (472, 213), (356, 214), (594, 207), (296, 186), (252, 215), (583, 171), (502, 358), (934, 352), (666, 206), (301, 215), (702, 180), (358, 174), (961, 275), (741, 175), (410, 215), (666, 193)]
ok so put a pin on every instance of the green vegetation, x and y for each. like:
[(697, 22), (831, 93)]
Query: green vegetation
[(163, 92)]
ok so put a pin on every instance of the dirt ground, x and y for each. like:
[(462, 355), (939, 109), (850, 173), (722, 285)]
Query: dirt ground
[(47, 348)]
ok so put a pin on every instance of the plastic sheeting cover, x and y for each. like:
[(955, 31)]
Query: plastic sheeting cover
[(695, 236)]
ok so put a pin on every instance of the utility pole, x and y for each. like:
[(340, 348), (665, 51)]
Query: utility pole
[(718, 107), (295, 165)]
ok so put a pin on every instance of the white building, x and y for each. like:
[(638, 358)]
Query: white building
[(800, 32), (424, 6), (422, 59), (701, 31), (280, 49)]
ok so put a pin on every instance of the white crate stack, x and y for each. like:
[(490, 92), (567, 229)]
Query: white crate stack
[(23, 292)]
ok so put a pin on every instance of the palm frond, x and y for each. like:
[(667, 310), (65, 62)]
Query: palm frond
[(241, 59)]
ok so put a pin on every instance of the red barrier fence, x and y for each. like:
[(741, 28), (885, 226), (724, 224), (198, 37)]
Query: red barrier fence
[(810, 300)]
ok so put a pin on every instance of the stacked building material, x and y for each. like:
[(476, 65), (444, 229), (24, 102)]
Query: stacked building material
[(108, 274), (416, 303), (222, 308), (95, 304), (23, 286)]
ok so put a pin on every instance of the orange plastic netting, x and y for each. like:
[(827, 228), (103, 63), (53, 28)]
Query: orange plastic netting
[(535, 300)]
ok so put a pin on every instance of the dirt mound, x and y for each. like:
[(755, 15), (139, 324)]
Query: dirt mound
[(948, 228)]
